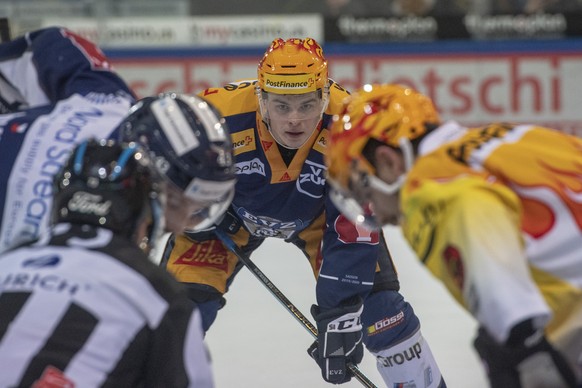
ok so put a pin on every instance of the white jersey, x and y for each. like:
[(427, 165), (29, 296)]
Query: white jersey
[(56, 89), (87, 309)]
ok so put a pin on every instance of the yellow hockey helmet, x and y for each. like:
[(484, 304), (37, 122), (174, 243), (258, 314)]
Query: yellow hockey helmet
[(387, 113), (293, 66)]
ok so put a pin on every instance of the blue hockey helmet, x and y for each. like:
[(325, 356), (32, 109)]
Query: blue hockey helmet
[(191, 145), (111, 185)]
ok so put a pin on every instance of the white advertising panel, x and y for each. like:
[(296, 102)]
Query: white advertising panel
[(208, 31)]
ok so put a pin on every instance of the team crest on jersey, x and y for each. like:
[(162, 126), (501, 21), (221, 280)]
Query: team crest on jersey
[(349, 233), (243, 141), (262, 226)]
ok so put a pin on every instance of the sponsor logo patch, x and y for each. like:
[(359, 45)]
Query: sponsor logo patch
[(209, 253), (400, 358), (244, 141), (254, 166), (87, 203), (321, 142), (386, 323), (290, 84), (311, 183), (48, 282), (42, 261)]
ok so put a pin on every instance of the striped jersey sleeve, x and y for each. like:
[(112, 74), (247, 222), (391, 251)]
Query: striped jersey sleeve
[(94, 312)]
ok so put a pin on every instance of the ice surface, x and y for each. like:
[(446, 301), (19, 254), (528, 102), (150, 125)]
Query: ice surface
[(255, 342)]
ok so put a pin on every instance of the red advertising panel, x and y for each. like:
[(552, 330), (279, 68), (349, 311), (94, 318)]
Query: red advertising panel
[(537, 86)]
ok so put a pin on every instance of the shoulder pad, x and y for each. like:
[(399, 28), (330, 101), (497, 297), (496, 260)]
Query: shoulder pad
[(233, 98), (336, 96)]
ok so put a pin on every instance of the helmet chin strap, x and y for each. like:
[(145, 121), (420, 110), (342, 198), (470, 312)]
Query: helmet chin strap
[(392, 188)]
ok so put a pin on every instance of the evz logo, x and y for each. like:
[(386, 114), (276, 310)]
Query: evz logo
[(311, 183), (262, 226)]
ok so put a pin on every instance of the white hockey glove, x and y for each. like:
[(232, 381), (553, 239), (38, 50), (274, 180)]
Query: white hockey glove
[(339, 340), (531, 362)]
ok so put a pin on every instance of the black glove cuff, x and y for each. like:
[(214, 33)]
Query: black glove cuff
[(350, 305)]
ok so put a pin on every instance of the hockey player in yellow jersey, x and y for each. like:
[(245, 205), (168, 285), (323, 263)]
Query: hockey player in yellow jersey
[(494, 212)]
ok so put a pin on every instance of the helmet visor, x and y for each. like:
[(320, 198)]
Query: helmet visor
[(198, 207), (307, 106), (292, 118)]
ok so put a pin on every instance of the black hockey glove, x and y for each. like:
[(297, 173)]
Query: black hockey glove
[(529, 362), (339, 340)]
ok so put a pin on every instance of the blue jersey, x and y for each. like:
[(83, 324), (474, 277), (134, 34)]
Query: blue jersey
[(56, 89), (291, 202)]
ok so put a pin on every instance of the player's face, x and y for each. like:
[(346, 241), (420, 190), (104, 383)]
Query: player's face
[(385, 207), (293, 117), (181, 211), (390, 167)]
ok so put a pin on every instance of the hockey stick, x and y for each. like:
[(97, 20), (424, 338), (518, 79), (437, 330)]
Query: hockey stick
[(306, 323), (4, 30)]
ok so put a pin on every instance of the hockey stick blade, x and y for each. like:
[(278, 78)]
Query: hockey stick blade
[(305, 322)]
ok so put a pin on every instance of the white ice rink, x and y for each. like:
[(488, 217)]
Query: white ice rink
[(256, 343)]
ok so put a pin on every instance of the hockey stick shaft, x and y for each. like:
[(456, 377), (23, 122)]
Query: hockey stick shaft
[(306, 323), (4, 30)]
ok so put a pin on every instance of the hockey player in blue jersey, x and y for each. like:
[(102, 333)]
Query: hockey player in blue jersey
[(56, 89), (83, 306), (279, 127)]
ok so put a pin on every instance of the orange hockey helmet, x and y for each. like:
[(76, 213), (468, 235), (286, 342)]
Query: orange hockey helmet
[(387, 113), (293, 66), (290, 69)]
